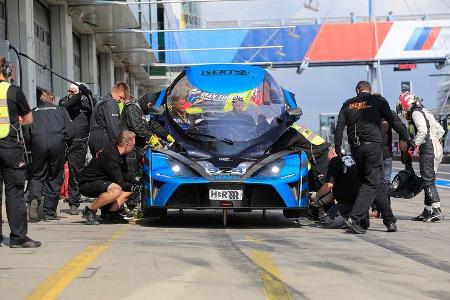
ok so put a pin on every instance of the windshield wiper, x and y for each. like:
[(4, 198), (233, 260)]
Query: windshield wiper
[(197, 134)]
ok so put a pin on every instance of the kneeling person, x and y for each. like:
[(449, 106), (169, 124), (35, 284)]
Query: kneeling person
[(103, 179), (341, 184)]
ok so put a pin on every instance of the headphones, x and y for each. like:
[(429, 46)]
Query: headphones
[(6, 70)]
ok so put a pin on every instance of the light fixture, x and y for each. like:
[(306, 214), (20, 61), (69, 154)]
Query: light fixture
[(195, 49), (275, 169), (176, 168), (292, 34), (312, 5), (129, 30), (280, 53)]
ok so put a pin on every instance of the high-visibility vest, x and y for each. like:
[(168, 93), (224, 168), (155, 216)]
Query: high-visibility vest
[(312, 137), (121, 106), (4, 112)]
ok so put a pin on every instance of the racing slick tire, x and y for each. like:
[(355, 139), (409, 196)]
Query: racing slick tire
[(295, 212), (154, 212)]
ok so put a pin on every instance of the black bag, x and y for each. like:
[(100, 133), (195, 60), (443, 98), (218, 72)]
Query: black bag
[(406, 184)]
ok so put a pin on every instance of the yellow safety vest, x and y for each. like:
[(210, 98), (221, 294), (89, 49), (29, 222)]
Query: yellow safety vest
[(121, 106), (312, 137), (4, 112)]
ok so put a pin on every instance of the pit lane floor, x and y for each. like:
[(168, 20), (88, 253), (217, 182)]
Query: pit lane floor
[(193, 257)]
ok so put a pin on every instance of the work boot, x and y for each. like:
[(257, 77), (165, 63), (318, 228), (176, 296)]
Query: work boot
[(50, 217), (33, 207), (423, 216), (354, 227), (391, 227), (435, 216), (90, 216), (337, 223), (113, 217), (26, 243), (73, 210)]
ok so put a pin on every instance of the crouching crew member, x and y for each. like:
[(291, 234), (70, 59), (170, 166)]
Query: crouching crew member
[(14, 112), (362, 116), (341, 184), (103, 179), (428, 134), (49, 134), (79, 107)]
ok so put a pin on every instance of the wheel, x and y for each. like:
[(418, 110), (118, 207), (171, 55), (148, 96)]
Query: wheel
[(294, 212), (154, 212)]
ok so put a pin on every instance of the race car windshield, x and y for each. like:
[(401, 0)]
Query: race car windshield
[(236, 117)]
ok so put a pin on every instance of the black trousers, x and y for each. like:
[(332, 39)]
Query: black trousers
[(47, 170), (13, 175), (427, 173), (382, 201), (76, 158), (368, 158)]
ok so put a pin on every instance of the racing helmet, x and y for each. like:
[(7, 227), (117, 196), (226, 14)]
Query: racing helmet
[(407, 101)]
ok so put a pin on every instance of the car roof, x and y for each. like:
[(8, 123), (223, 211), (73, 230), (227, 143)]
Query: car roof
[(225, 78)]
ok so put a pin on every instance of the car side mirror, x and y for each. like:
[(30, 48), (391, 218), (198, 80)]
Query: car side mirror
[(294, 112)]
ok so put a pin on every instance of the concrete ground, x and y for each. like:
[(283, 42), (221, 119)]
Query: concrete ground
[(193, 257)]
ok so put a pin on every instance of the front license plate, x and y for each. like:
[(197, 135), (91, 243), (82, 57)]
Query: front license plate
[(225, 194)]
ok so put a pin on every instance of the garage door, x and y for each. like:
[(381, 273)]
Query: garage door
[(42, 45), (2, 20), (76, 58)]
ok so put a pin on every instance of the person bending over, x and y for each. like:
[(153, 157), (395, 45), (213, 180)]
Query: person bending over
[(103, 179)]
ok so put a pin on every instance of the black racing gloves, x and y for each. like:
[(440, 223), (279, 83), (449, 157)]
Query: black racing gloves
[(84, 90)]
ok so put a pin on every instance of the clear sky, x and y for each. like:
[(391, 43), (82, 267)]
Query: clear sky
[(324, 89)]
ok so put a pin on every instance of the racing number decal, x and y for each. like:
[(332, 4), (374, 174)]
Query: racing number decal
[(231, 195)]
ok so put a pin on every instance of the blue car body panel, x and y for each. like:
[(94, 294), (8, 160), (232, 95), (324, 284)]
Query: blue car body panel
[(294, 169)]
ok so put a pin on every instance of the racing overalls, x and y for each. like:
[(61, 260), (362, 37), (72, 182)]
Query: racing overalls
[(133, 119), (50, 131), (105, 124), (428, 134), (80, 110)]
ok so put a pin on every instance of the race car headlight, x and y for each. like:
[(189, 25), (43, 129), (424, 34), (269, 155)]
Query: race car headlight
[(178, 169), (271, 170)]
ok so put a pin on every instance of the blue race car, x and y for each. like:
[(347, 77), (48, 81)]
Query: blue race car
[(225, 118)]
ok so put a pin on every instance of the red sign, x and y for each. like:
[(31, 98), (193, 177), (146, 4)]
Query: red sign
[(405, 67)]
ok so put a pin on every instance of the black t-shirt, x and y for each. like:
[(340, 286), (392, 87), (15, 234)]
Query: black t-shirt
[(107, 165), (345, 185), (17, 106)]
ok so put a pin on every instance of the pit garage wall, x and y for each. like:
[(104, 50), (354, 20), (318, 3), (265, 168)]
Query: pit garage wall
[(18, 27)]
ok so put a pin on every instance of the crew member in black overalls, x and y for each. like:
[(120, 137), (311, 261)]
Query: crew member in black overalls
[(14, 112), (362, 116), (105, 120), (79, 106), (49, 134)]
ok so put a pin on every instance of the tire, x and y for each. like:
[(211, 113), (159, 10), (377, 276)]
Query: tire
[(154, 212), (295, 212)]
